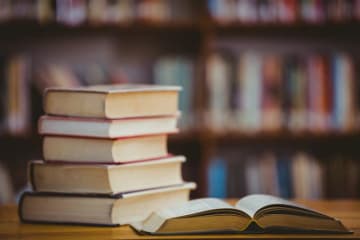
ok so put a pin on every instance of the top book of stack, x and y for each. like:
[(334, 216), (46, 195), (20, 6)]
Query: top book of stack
[(117, 101)]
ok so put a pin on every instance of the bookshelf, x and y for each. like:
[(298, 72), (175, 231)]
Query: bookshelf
[(137, 44)]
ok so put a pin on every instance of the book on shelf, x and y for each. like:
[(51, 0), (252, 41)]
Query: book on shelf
[(17, 109), (99, 150), (272, 98), (253, 178), (71, 12), (256, 213), (319, 102), (105, 178), (115, 101), (218, 78), (284, 177), (100, 209), (268, 174), (246, 11), (179, 71), (343, 81), (295, 86), (153, 11), (107, 128), (217, 178), (307, 176), (283, 12), (249, 82), (112, 12)]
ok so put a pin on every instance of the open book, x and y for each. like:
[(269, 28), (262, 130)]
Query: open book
[(253, 213)]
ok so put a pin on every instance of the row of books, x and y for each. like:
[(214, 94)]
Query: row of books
[(296, 175), (105, 156), (269, 92), (180, 71), (284, 11), (75, 12)]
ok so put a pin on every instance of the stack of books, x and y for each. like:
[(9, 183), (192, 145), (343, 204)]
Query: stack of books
[(105, 156)]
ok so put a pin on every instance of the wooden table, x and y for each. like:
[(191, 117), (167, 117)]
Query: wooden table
[(347, 211)]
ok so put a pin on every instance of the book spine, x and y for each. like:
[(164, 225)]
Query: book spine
[(31, 174), (217, 174), (20, 207)]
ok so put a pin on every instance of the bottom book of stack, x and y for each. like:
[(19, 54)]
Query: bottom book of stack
[(100, 209)]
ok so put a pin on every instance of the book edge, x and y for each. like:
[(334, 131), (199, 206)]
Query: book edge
[(109, 163), (93, 119), (129, 194), (139, 88), (168, 159)]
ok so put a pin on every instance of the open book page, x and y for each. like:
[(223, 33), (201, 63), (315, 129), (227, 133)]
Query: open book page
[(191, 208), (194, 207), (252, 203)]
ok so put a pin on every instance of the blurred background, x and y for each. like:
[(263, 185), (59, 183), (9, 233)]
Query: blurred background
[(270, 92)]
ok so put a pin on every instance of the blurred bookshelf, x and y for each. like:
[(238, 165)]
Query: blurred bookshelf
[(270, 87)]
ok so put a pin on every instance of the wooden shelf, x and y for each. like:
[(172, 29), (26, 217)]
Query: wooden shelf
[(289, 135), (35, 28), (324, 142), (183, 26), (329, 29)]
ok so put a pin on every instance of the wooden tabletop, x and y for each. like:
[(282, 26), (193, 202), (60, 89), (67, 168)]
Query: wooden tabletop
[(348, 211)]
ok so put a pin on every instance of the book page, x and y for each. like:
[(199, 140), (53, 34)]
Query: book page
[(194, 207), (252, 203), (198, 207)]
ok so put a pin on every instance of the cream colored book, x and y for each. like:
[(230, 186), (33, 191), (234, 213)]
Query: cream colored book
[(105, 178), (112, 101), (253, 213), (106, 128), (97, 209), (98, 150)]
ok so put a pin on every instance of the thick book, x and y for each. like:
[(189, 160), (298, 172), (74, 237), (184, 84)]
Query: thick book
[(253, 213), (99, 209), (105, 178), (112, 101), (90, 150), (107, 128)]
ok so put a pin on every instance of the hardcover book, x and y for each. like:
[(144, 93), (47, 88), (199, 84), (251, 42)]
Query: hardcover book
[(99, 209), (105, 178), (107, 128), (112, 101), (121, 150), (254, 213)]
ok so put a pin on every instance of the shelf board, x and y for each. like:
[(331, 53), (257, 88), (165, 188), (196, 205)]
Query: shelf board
[(285, 136), (334, 29), (23, 27)]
